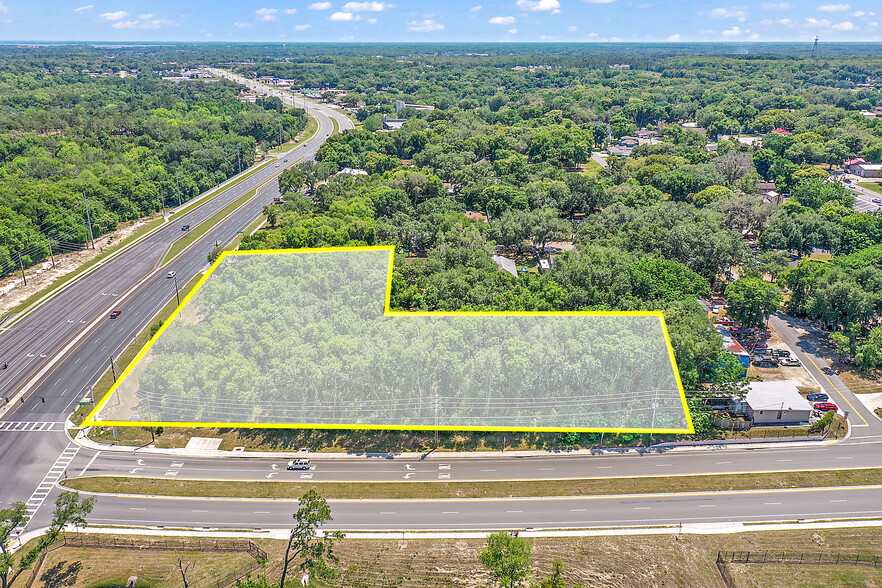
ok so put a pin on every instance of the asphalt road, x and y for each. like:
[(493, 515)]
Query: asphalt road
[(610, 464), (576, 512), (56, 352), (34, 453), (863, 198)]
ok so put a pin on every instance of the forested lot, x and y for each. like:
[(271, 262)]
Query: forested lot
[(654, 231), (117, 141)]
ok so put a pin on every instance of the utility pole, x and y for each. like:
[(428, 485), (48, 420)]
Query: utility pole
[(178, 182), (50, 253), (177, 292), (280, 135), (89, 218), (112, 368), (21, 265)]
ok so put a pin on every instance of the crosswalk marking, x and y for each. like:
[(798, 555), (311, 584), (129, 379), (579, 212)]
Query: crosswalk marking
[(45, 486), (30, 426)]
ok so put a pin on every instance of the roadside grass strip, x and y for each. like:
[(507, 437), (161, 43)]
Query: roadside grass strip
[(478, 489)]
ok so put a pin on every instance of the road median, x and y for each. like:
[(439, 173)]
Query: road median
[(268, 489)]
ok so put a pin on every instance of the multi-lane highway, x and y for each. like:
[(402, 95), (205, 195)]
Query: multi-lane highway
[(57, 351), (65, 345)]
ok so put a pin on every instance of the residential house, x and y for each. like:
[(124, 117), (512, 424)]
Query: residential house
[(629, 142), (781, 132), (505, 264), (776, 403)]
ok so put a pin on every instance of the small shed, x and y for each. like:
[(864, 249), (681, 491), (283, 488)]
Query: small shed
[(776, 403)]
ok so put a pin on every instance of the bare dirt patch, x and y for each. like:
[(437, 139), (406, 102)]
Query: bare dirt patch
[(39, 277)]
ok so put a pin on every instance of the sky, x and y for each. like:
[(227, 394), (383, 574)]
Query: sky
[(441, 20)]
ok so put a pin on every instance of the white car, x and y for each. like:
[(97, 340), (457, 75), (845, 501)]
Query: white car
[(301, 463), (171, 274), (716, 309)]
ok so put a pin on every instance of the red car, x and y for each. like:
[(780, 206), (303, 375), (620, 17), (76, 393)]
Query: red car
[(758, 347), (115, 313), (825, 406), (725, 322)]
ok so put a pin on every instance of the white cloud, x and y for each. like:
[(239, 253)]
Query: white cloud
[(786, 22), (84, 8), (302, 27), (512, 31), (266, 14), (754, 37), (114, 15), (776, 6), (146, 16), (538, 6), (823, 22), (844, 26), (861, 13), (592, 34), (572, 28), (502, 20), (738, 12), (424, 26), (344, 17), (3, 8), (372, 21), (319, 6), (834, 7), (734, 32), (243, 25), (290, 11), (150, 23), (475, 8), (366, 6), (675, 37)]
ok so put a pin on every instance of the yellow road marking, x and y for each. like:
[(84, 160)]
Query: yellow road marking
[(853, 410)]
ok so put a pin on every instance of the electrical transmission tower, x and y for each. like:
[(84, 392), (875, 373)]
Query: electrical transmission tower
[(815, 49)]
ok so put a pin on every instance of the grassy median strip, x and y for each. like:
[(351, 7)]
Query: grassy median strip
[(203, 227), (102, 386), (500, 489), (308, 133)]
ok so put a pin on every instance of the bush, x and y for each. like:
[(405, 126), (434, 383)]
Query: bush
[(823, 422)]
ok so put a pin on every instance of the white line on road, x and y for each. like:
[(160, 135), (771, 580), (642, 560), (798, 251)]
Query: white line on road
[(706, 505), (839, 500), (642, 508), (88, 465), (771, 503), (513, 511)]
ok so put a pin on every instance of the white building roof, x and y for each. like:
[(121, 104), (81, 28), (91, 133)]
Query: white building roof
[(870, 166), (776, 396), (506, 265)]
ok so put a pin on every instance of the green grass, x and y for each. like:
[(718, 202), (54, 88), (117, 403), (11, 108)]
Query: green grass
[(871, 186), (308, 133), (125, 358), (194, 234), (463, 490), (38, 296), (336, 126)]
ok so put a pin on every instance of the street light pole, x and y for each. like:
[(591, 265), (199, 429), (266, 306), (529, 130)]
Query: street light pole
[(177, 292)]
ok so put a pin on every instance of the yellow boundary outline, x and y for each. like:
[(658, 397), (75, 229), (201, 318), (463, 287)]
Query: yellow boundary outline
[(89, 421)]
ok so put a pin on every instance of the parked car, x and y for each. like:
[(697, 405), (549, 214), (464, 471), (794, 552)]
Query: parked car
[(115, 313), (716, 309), (725, 322), (765, 361), (825, 406), (758, 347), (817, 397), (790, 362), (780, 353)]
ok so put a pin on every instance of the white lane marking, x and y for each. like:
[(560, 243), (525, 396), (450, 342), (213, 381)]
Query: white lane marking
[(56, 382), (783, 460), (849, 457), (199, 511), (513, 511), (134, 508), (706, 505), (604, 467), (722, 462), (488, 470), (663, 465), (642, 507), (261, 512), (771, 503), (88, 465), (386, 513), (450, 512), (546, 469), (839, 500), (578, 510)]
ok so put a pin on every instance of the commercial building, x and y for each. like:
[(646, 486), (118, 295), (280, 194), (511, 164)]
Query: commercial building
[(776, 403)]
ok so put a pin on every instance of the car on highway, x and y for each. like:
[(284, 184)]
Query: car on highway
[(817, 397), (285, 160), (301, 463), (185, 228), (825, 406), (790, 362), (171, 274), (877, 200), (115, 313)]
